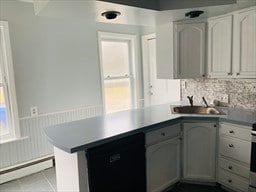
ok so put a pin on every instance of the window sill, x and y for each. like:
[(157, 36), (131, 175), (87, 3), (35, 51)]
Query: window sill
[(13, 139)]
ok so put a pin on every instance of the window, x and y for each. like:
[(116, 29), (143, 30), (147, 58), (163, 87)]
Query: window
[(9, 126), (117, 54)]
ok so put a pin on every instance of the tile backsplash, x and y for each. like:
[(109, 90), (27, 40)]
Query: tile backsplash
[(240, 93)]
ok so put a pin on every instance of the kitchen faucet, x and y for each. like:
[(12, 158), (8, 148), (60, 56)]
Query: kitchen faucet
[(205, 102), (190, 98)]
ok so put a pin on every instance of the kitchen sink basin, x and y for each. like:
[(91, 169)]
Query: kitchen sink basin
[(197, 110)]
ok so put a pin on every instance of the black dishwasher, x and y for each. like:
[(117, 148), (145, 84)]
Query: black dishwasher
[(118, 166)]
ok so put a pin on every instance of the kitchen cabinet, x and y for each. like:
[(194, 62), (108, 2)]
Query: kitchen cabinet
[(232, 45), (234, 156), (244, 43), (220, 47), (189, 50), (182, 55), (199, 148), (163, 158)]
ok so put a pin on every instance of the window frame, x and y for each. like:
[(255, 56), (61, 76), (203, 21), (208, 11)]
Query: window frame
[(133, 67), (8, 84)]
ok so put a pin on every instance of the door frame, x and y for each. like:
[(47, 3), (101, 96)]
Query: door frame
[(146, 67)]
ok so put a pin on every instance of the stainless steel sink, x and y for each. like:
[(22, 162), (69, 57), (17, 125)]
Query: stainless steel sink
[(197, 110)]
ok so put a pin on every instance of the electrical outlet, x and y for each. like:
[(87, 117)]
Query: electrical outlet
[(33, 111), (224, 98)]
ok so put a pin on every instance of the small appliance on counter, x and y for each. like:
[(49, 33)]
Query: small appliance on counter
[(252, 187)]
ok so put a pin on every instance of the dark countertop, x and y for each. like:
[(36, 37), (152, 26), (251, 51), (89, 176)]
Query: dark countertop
[(80, 135)]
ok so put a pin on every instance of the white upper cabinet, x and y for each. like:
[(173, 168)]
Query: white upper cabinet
[(231, 47), (244, 44), (164, 51), (220, 47), (189, 50)]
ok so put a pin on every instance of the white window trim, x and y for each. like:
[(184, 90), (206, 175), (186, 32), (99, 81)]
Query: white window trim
[(135, 69), (9, 80)]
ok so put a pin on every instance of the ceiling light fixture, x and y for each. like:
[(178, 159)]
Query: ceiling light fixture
[(193, 14), (110, 14)]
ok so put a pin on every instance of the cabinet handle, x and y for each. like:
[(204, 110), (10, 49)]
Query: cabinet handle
[(163, 134), (237, 73), (231, 145), (230, 181), (230, 167), (231, 131), (229, 73)]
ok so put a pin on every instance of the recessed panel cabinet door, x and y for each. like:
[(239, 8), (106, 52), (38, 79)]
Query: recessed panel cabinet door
[(199, 151), (163, 165), (189, 50), (244, 53), (220, 47)]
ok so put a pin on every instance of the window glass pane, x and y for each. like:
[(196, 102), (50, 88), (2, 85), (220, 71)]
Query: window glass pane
[(117, 95), (115, 58), (3, 114)]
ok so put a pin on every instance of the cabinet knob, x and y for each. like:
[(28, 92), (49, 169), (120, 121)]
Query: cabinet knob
[(215, 125), (230, 167), (231, 145), (203, 75), (163, 134), (230, 181), (229, 73), (231, 131), (237, 73)]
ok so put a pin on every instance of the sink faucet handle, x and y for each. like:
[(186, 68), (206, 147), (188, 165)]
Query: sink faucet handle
[(205, 102), (190, 98)]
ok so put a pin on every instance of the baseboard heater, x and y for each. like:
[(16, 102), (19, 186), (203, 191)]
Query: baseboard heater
[(27, 168)]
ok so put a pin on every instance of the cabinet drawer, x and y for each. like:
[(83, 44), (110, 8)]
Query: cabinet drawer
[(162, 134), (234, 168), (237, 131), (237, 149), (231, 180)]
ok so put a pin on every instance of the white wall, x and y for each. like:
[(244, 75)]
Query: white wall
[(56, 60), (56, 68)]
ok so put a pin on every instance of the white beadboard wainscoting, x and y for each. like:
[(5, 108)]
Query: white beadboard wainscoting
[(35, 144)]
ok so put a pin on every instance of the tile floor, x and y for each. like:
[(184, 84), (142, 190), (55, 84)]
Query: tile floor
[(44, 181), (183, 187)]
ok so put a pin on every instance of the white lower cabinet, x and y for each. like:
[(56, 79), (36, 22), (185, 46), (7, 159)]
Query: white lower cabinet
[(234, 156), (163, 159), (199, 149)]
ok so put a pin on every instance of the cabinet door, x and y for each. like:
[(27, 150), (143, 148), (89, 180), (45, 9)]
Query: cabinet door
[(163, 165), (189, 50), (244, 53), (220, 47), (199, 151)]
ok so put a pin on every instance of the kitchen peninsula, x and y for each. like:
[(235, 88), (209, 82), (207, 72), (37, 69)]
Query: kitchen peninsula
[(73, 139)]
